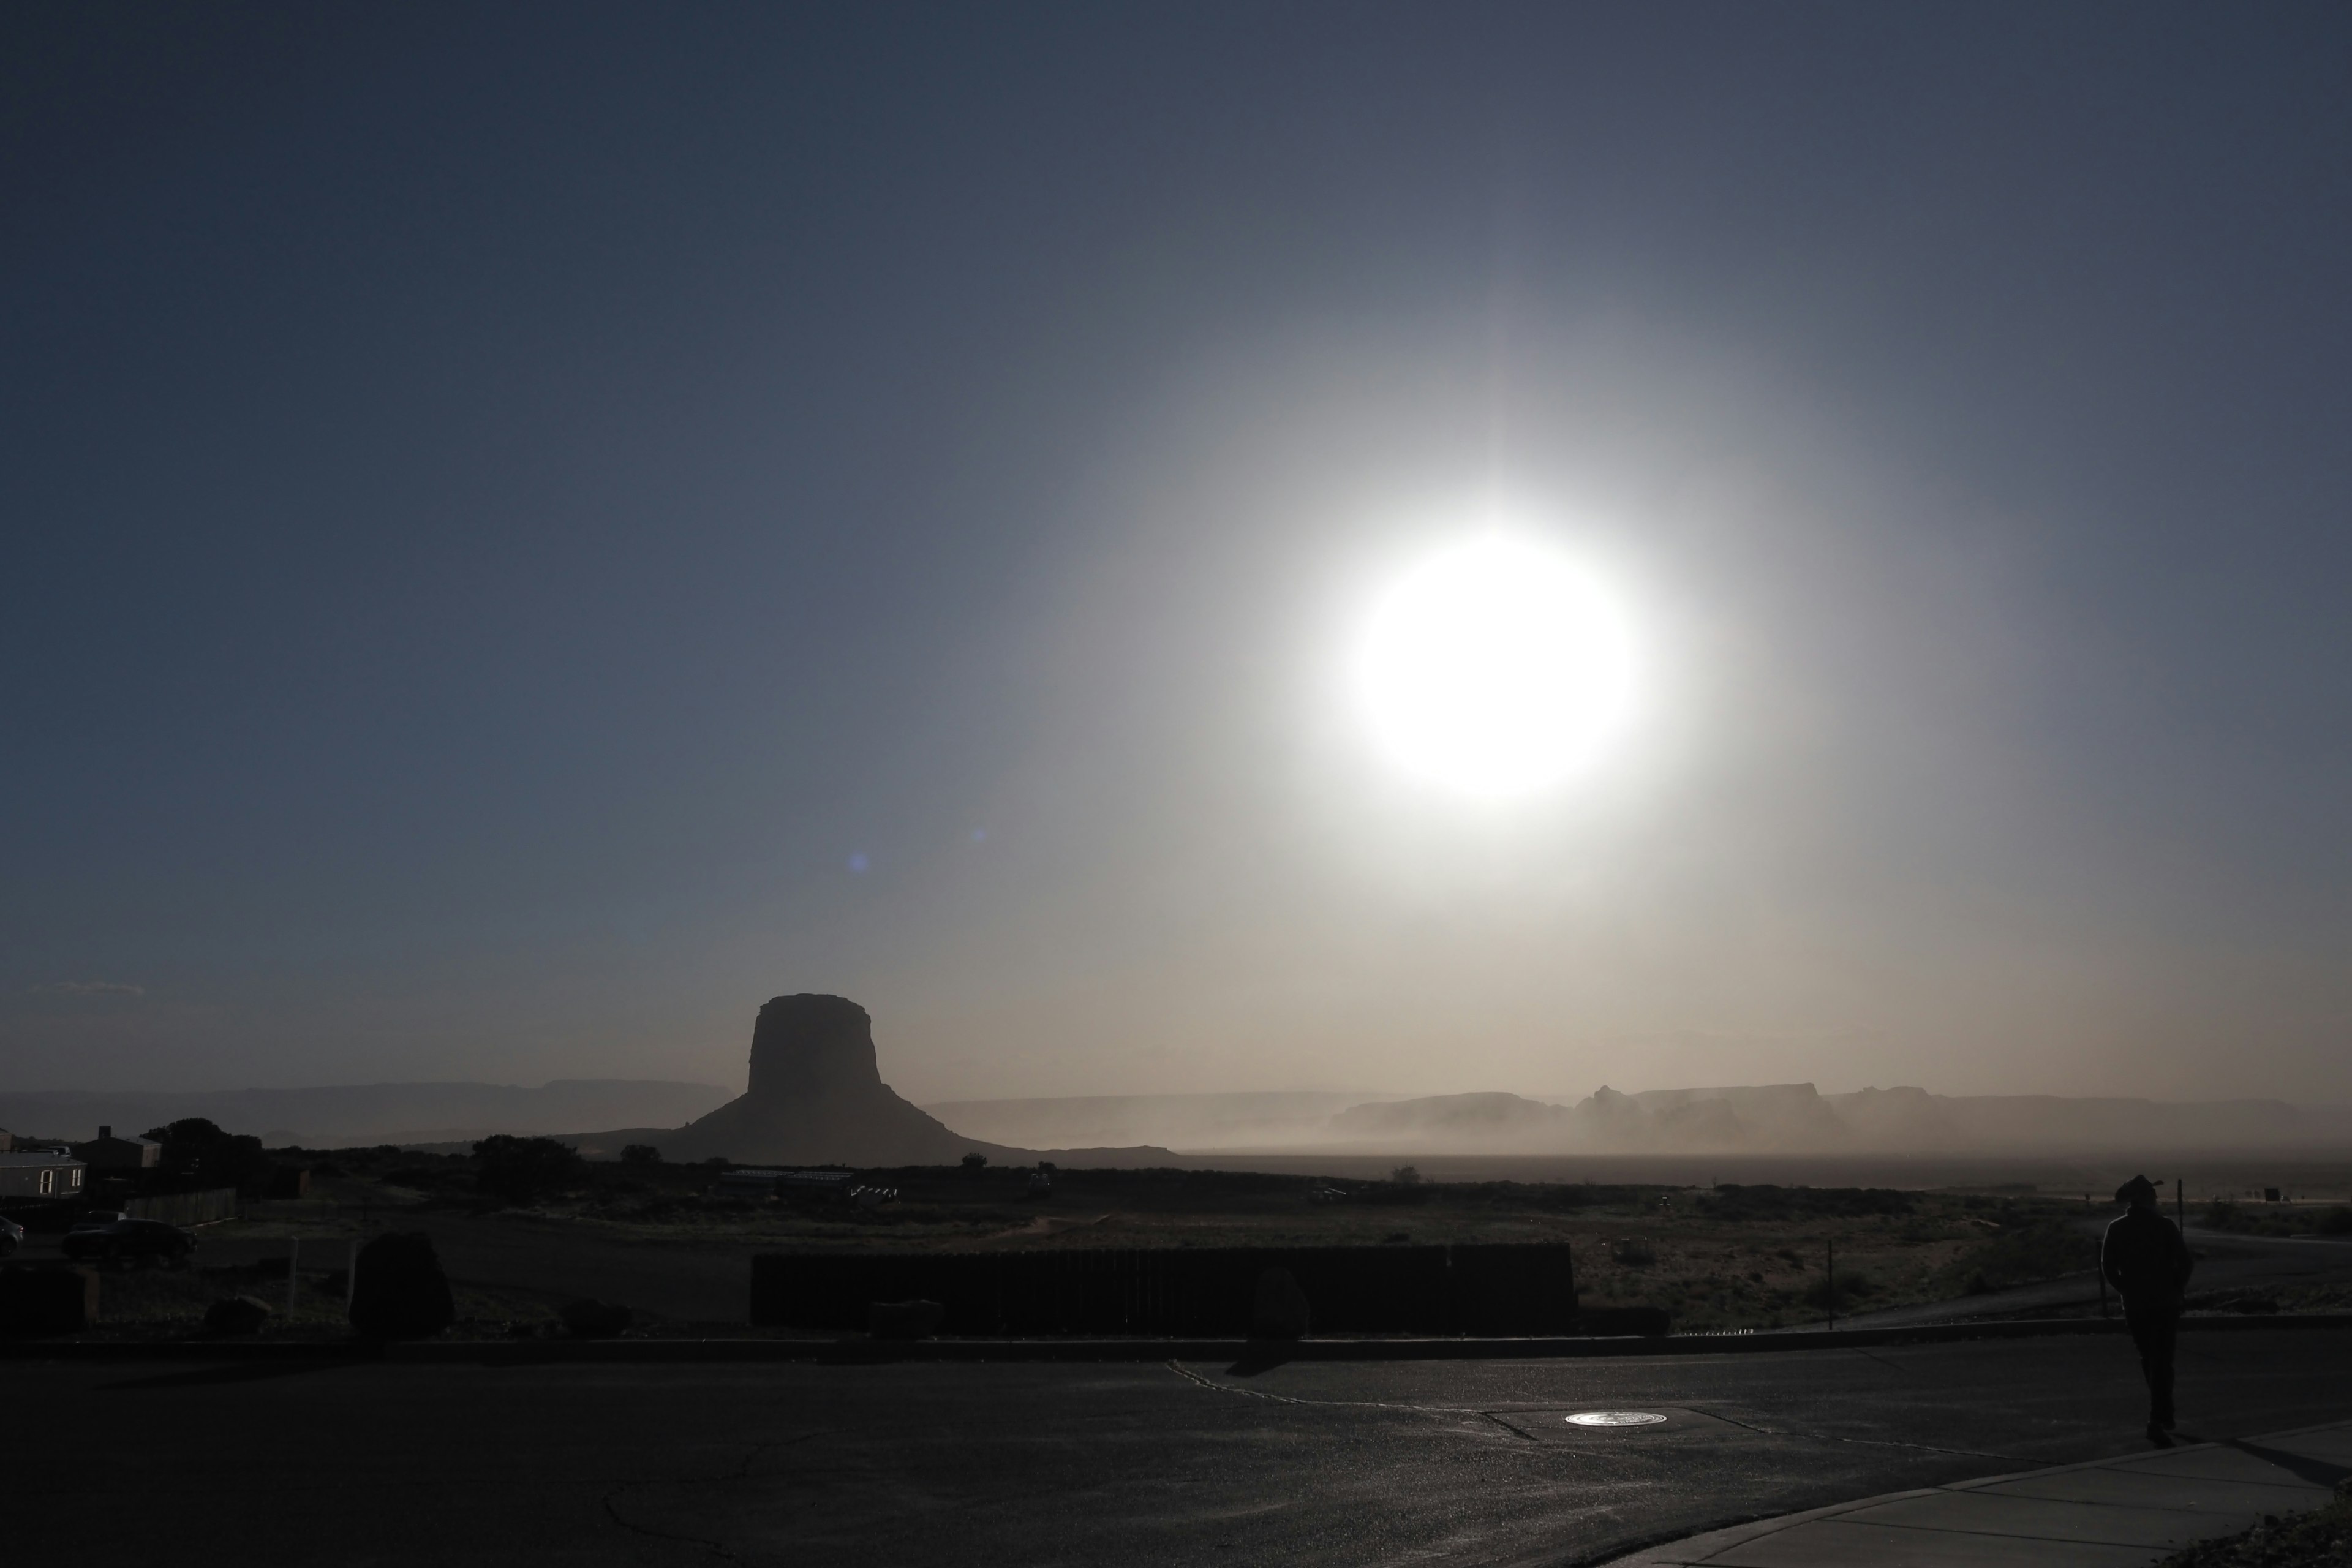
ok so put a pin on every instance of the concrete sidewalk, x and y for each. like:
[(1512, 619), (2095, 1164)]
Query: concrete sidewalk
[(2109, 1513)]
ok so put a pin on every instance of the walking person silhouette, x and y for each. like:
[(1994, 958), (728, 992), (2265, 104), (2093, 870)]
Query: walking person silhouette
[(2143, 1256)]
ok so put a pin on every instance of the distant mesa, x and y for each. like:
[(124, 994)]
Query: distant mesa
[(338, 1116), (816, 1098), (1755, 1119)]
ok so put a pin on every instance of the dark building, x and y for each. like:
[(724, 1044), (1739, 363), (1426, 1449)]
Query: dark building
[(108, 1152)]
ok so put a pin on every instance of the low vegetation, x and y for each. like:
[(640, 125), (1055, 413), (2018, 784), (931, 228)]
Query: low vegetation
[(1723, 1258), (2269, 1220), (2320, 1539), (172, 1303), (1727, 1257)]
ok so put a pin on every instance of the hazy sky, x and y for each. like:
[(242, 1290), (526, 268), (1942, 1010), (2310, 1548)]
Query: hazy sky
[(531, 530)]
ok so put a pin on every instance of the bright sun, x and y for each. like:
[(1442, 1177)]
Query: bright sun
[(1494, 668)]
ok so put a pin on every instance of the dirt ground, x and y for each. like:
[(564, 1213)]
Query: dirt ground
[(1722, 1257), (1725, 1257)]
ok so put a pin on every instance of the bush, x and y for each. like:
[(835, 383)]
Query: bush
[(520, 1169), (46, 1300), (400, 1292), (2223, 1214), (233, 1315), (1771, 1203), (595, 1320), (2042, 1250), (904, 1320), (1852, 1285), (1278, 1307), (1393, 1193), (2336, 1221), (640, 1154), (975, 1162), (198, 1151), (1647, 1321), (2308, 1539)]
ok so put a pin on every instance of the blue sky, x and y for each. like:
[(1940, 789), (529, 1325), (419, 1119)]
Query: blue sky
[(531, 531)]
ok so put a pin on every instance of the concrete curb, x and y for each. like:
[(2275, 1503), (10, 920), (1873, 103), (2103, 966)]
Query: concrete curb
[(859, 1351), (2136, 1508)]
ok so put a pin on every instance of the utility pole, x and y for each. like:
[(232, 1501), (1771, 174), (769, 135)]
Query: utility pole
[(293, 1260), (1831, 1280), (2179, 1206)]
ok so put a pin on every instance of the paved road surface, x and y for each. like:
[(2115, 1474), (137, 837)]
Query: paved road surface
[(1035, 1465), (2127, 1512)]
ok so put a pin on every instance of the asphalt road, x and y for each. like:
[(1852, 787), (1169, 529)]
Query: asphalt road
[(1031, 1465)]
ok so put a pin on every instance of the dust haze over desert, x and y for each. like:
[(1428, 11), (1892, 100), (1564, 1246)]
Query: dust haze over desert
[(1417, 601)]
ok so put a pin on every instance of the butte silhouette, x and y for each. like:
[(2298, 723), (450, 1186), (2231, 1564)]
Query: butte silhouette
[(816, 1098)]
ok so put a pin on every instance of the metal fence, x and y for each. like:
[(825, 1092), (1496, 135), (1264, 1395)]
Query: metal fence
[(1490, 1288), (186, 1208)]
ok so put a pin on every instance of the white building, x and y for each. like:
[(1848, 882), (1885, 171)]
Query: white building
[(41, 1173)]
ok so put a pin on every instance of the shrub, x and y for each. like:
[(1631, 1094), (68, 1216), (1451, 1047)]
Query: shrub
[(593, 1320), (640, 1154), (1649, 1321), (1852, 1285), (2041, 1249), (198, 1152), (2223, 1214), (517, 1170), (400, 1292), (233, 1315), (975, 1161), (1279, 1306), (1393, 1194), (46, 1300), (1771, 1203), (2336, 1221), (904, 1320)]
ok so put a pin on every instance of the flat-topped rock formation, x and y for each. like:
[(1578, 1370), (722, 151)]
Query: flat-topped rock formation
[(816, 1098)]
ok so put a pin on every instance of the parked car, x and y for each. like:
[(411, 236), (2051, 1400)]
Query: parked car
[(92, 1220), (130, 1242), (11, 1235)]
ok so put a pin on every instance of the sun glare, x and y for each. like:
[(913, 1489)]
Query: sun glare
[(1494, 668)]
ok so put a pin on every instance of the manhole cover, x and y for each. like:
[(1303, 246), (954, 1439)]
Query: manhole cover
[(1615, 1418)]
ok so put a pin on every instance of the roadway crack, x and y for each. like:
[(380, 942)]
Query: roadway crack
[(1190, 1376), (1454, 1410), (1863, 1442), (1358, 1404), (611, 1496)]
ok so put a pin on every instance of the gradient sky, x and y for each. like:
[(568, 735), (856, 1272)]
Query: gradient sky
[(533, 529)]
